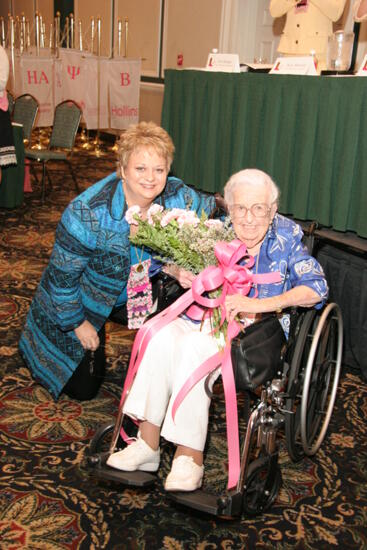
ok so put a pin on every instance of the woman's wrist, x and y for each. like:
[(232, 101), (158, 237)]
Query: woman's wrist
[(275, 304)]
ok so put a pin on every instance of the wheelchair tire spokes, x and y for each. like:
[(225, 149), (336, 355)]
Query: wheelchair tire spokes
[(98, 450), (295, 385), (321, 378), (101, 440), (320, 385)]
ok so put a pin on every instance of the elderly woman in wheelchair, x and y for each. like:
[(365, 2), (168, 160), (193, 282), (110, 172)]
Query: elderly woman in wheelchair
[(175, 351)]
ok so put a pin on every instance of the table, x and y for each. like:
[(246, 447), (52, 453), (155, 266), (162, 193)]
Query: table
[(308, 133), (12, 184)]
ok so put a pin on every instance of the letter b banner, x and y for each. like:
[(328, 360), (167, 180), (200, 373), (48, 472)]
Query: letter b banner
[(122, 78)]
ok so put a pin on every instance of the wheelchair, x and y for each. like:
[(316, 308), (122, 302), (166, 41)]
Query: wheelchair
[(299, 399)]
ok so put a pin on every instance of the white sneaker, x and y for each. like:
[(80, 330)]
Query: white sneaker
[(136, 456), (185, 475)]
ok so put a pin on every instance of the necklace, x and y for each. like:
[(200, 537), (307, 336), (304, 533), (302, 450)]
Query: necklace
[(139, 267)]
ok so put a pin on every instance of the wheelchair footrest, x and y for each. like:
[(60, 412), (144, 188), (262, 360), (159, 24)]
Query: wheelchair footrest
[(134, 479), (218, 505)]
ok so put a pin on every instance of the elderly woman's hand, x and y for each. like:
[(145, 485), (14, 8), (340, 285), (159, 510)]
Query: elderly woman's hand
[(183, 276), (301, 295), (236, 304), (87, 335)]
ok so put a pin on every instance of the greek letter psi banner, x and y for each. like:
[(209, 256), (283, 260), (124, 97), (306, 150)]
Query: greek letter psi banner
[(78, 79)]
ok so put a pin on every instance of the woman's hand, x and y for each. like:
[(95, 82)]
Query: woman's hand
[(237, 304), (87, 335), (183, 276), (301, 295)]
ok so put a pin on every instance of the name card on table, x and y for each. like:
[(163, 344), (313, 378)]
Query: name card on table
[(223, 62), (294, 65), (362, 71)]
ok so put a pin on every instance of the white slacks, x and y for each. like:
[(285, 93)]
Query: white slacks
[(170, 358)]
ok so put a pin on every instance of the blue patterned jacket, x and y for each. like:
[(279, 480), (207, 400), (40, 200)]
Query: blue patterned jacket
[(88, 269)]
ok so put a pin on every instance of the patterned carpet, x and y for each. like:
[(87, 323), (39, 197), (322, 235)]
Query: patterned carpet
[(48, 499)]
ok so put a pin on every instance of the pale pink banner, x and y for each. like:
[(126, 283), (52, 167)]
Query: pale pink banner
[(74, 75), (37, 78), (120, 79), (78, 80)]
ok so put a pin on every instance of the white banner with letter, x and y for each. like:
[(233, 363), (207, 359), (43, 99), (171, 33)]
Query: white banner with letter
[(74, 75), (120, 81), (37, 78), (78, 78)]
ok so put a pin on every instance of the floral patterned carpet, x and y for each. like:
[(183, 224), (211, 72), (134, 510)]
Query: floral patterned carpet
[(48, 498)]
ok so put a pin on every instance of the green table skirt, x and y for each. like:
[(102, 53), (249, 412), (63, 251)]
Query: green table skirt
[(308, 133), (12, 183)]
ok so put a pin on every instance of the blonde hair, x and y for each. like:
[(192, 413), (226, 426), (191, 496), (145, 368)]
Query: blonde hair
[(250, 176), (147, 135)]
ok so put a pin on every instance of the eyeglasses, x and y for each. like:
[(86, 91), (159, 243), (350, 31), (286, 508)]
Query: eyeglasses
[(259, 210)]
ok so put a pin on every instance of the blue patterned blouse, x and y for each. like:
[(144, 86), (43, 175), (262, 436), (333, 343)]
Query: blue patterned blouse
[(284, 251)]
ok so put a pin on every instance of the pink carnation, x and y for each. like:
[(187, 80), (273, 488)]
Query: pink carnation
[(213, 223), (153, 210), (171, 215), (130, 213), (188, 217)]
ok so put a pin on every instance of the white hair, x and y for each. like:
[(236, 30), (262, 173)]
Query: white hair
[(250, 176)]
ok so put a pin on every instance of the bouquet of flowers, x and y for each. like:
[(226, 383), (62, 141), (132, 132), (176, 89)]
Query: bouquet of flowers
[(183, 238), (179, 236)]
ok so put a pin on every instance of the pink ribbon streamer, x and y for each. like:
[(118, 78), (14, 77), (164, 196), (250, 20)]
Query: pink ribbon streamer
[(232, 279)]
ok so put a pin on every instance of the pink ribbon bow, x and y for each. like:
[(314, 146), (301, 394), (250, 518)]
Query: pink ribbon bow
[(232, 279)]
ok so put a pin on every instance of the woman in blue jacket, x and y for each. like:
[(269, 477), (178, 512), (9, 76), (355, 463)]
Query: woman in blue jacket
[(93, 263)]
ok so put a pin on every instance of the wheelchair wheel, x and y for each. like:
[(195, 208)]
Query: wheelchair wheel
[(292, 421), (101, 440), (321, 378), (262, 486)]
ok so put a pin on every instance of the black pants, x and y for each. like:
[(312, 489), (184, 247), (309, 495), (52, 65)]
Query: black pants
[(89, 374)]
